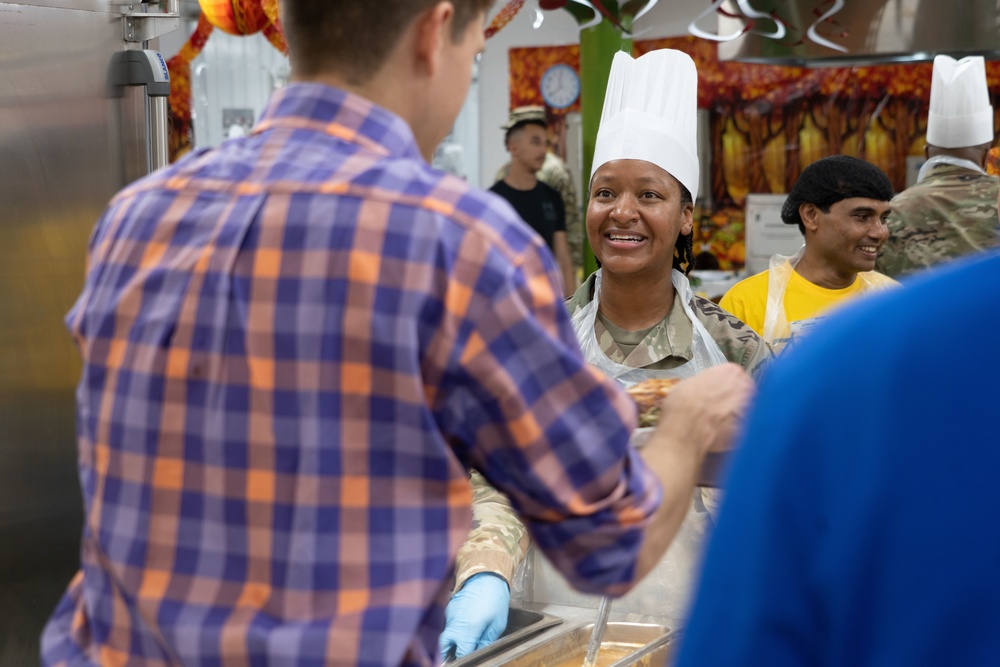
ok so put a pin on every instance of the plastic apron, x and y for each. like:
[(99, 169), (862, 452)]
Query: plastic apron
[(664, 594), (777, 331)]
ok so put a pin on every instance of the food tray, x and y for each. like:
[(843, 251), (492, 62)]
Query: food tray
[(570, 647), (521, 625)]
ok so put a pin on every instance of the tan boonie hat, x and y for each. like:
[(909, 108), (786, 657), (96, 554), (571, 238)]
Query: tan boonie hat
[(534, 114)]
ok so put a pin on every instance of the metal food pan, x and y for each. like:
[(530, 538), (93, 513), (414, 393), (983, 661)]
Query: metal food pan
[(521, 624), (571, 645)]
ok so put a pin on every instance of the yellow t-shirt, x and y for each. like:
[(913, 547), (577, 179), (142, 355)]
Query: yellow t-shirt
[(804, 301)]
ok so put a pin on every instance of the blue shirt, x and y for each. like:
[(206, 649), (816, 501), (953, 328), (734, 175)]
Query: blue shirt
[(293, 347), (862, 520)]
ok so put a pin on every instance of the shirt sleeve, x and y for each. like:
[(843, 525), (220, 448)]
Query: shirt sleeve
[(520, 405), (498, 540)]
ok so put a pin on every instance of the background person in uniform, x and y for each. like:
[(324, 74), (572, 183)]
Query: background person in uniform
[(840, 205), (636, 319), (538, 204), (951, 210), (860, 525), (556, 174), (294, 347)]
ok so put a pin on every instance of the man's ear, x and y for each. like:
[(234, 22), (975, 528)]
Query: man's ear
[(810, 215), (433, 27)]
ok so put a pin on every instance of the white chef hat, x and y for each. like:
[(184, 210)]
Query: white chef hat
[(960, 113), (651, 113)]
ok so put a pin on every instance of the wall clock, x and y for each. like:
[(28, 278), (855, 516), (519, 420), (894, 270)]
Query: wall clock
[(560, 86)]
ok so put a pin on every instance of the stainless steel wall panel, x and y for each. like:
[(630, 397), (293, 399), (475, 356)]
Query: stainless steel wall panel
[(59, 165)]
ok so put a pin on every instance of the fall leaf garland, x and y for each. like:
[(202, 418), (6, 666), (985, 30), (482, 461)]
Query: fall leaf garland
[(503, 17)]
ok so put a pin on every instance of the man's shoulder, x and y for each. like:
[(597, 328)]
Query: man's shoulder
[(554, 172), (944, 209), (950, 187), (547, 190), (755, 284)]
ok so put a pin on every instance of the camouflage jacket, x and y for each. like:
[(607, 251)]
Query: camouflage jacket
[(498, 539), (952, 212), (557, 176)]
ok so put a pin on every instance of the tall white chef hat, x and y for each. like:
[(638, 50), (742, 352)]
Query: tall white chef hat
[(651, 113), (960, 113)]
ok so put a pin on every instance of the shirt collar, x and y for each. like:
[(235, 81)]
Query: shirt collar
[(938, 160), (322, 108), (672, 336)]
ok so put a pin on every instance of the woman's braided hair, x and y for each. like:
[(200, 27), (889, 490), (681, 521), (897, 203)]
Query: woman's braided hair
[(684, 248)]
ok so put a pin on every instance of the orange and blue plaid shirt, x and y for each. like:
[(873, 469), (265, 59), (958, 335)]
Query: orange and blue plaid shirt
[(294, 347)]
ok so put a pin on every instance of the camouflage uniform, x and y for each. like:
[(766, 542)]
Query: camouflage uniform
[(668, 344), (950, 213), (556, 175), (498, 539), (500, 548)]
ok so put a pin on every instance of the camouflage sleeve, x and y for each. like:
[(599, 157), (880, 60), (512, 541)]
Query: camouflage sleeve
[(498, 540), (890, 259), (561, 181), (950, 215), (738, 342)]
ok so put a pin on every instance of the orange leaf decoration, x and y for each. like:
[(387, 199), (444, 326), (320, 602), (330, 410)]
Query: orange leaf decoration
[(271, 11), (180, 89), (503, 17), (275, 35), (237, 17), (274, 32)]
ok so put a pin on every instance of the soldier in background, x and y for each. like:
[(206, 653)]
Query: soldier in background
[(952, 209), (539, 205), (555, 174)]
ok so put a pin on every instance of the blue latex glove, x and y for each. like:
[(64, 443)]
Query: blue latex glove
[(476, 615)]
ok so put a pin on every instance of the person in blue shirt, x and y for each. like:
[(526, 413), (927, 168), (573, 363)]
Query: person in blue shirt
[(861, 522)]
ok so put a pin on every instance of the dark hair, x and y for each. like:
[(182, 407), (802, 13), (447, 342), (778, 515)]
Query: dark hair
[(684, 247), (517, 127), (831, 179), (354, 38)]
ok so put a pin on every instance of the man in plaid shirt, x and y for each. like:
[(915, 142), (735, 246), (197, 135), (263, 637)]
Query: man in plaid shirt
[(296, 345)]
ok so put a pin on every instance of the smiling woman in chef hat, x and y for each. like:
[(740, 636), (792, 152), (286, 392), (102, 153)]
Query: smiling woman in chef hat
[(636, 317)]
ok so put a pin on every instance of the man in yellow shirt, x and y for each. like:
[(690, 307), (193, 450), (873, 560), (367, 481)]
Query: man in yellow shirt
[(840, 204)]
